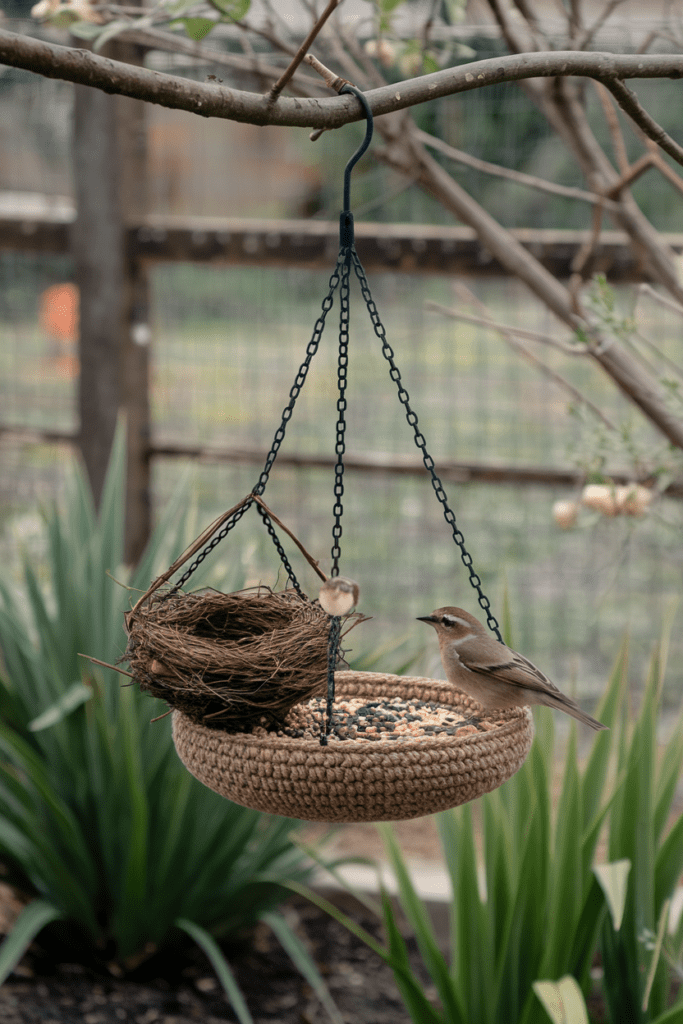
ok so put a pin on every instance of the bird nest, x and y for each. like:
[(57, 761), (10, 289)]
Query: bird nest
[(230, 661)]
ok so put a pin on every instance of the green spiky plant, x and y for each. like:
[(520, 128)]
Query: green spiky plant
[(530, 904), (99, 822)]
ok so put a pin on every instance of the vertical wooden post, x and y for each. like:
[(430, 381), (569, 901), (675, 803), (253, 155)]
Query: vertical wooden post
[(98, 243), (109, 156), (135, 348)]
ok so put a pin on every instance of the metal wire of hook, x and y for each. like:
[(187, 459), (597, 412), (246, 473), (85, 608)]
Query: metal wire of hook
[(346, 219)]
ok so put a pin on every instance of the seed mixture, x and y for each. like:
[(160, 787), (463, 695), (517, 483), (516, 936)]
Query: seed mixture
[(376, 720)]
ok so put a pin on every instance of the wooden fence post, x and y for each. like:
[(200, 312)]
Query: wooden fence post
[(109, 158)]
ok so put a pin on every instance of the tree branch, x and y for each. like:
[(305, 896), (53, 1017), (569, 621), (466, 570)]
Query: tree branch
[(628, 102), (277, 88), (86, 68), (508, 336), (519, 177)]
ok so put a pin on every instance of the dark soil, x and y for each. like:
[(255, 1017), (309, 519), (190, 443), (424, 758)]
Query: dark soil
[(181, 988)]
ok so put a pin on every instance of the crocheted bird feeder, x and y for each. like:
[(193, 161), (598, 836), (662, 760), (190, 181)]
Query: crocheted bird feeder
[(264, 711)]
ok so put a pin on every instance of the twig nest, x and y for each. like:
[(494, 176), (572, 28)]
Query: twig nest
[(230, 661)]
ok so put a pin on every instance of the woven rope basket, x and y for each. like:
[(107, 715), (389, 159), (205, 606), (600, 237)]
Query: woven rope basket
[(357, 780)]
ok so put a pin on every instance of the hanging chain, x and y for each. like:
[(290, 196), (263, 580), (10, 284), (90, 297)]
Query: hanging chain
[(281, 552), (300, 378), (232, 521), (421, 443), (299, 381), (342, 374)]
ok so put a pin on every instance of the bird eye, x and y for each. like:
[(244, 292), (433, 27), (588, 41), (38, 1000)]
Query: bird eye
[(449, 620)]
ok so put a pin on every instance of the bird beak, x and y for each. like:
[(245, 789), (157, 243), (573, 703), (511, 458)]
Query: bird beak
[(426, 618)]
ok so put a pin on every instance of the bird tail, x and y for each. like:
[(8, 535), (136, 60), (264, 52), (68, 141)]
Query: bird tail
[(569, 707)]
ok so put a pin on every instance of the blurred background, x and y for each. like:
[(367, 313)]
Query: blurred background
[(224, 299)]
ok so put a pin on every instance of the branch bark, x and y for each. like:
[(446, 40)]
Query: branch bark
[(86, 68), (406, 154)]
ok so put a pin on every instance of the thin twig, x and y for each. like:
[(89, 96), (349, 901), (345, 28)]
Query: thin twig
[(159, 717), (663, 300), (666, 171), (547, 371), (631, 174), (613, 127), (582, 257), (543, 339), (332, 81), (504, 172), (188, 553), (583, 42), (105, 664), (629, 102), (277, 88), (309, 558)]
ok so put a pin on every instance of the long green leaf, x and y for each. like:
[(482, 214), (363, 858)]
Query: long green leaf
[(417, 915), (208, 944), (301, 959), (421, 1011), (71, 699), (30, 922)]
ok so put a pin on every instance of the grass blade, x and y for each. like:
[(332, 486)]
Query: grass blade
[(300, 957), (208, 944), (30, 922)]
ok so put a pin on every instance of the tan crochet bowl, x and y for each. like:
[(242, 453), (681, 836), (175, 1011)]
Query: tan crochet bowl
[(359, 780)]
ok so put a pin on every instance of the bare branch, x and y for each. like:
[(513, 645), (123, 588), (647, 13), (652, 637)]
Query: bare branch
[(631, 174), (667, 172), (613, 126), (167, 42), (628, 102), (82, 66), (584, 40), (517, 176), (519, 332), (583, 256), (301, 52), (508, 336), (409, 156), (662, 300)]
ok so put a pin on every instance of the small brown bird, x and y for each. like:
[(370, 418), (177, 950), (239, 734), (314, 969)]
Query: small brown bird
[(489, 672), (338, 595)]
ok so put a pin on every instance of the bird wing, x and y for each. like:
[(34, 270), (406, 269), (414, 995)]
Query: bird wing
[(496, 661)]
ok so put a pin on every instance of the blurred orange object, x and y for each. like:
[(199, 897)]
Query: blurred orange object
[(59, 312), (58, 316)]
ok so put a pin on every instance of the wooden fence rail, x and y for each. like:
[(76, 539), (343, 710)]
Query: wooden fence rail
[(311, 244)]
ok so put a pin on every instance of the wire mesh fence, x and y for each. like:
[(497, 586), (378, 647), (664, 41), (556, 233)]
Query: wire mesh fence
[(226, 347), (226, 344)]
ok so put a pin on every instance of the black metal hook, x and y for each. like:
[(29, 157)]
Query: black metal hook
[(346, 220)]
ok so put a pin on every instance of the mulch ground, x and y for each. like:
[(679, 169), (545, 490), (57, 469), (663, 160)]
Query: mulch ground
[(180, 988)]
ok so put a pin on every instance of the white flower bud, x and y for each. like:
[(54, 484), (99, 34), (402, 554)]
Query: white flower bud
[(565, 514), (600, 497)]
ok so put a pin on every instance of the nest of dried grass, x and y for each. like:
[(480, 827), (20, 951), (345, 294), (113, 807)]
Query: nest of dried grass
[(230, 661)]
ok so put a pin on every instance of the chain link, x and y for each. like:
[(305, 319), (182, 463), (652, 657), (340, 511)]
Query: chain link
[(299, 381), (232, 521), (421, 443), (342, 380), (300, 378), (281, 551)]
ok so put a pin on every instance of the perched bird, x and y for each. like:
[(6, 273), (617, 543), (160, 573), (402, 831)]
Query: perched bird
[(338, 595), (489, 672)]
